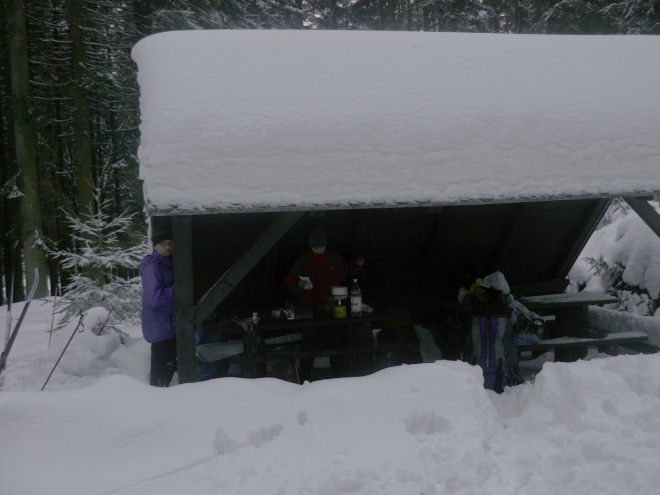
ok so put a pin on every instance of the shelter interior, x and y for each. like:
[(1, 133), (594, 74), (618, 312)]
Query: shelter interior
[(411, 253)]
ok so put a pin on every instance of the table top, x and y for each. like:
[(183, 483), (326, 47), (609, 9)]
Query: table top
[(268, 323), (567, 299)]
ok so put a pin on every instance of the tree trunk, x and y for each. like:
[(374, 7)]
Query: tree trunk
[(4, 173), (25, 137), (82, 129), (8, 159)]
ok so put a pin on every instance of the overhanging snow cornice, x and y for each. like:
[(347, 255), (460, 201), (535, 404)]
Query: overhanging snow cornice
[(174, 211)]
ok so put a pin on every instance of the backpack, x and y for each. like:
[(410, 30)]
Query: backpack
[(492, 340)]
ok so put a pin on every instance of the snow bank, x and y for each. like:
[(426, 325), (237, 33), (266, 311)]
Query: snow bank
[(389, 430), (292, 119), (617, 321), (589, 427), (583, 428), (88, 357)]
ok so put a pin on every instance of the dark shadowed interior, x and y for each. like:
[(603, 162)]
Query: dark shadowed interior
[(409, 252)]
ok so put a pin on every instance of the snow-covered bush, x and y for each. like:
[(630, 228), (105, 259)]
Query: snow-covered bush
[(622, 258), (100, 266)]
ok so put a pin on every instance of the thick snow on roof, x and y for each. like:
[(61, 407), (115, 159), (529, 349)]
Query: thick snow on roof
[(235, 120)]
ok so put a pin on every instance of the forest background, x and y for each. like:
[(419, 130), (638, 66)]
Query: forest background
[(69, 99)]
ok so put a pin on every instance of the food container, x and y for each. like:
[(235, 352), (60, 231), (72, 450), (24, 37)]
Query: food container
[(340, 295), (339, 292)]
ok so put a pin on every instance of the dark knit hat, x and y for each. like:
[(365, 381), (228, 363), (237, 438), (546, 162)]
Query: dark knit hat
[(161, 235), (318, 238)]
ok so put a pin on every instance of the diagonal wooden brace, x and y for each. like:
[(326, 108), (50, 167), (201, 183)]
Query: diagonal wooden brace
[(244, 264), (646, 213)]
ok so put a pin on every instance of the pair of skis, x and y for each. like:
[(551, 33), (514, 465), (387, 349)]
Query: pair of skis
[(10, 336)]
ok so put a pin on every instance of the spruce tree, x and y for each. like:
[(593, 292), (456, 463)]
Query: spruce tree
[(103, 267)]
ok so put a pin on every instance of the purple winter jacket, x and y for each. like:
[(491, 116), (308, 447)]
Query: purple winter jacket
[(158, 310)]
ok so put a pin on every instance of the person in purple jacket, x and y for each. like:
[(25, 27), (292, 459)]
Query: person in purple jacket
[(158, 309)]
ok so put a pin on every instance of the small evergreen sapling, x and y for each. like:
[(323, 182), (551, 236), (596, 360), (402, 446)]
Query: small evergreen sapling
[(101, 265)]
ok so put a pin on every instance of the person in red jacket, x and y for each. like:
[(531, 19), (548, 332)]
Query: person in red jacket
[(325, 269)]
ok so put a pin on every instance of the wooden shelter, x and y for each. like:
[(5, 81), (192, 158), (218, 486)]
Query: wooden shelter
[(419, 151)]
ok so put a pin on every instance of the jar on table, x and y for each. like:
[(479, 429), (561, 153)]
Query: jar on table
[(340, 297), (339, 309)]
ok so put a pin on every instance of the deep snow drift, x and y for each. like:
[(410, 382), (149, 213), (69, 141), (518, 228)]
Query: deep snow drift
[(590, 427)]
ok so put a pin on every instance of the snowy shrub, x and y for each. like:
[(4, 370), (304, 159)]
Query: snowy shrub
[(618, 208), (632, 299), (102, 267), (622, 258)]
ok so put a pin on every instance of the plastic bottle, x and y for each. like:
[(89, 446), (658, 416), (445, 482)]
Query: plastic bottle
[(356, 299)]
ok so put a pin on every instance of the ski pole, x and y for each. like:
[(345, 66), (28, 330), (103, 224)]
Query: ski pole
[(82, 317), (10, 289), (12, 338), (52, 321)]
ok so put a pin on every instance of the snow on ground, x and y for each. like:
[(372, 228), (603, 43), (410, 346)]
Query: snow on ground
[(590, 427), (88, 357)]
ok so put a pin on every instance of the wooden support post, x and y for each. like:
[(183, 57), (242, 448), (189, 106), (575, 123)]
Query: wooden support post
[(244, 264), (646, 213), (570, 354), (252, 368), (360, 335), (610, 350), (184, 298)]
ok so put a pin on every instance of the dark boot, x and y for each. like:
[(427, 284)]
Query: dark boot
[(305, 370), (163, 362)]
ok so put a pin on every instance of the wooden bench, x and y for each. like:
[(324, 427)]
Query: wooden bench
[(570, 349)]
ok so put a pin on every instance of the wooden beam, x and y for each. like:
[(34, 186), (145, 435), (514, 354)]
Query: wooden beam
[(646, 212), (232, 277), (184, 298)]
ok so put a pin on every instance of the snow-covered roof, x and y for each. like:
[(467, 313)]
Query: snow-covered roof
[(255, 120)]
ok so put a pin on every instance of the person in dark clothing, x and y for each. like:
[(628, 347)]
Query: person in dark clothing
[(325, 269), (158, 309)]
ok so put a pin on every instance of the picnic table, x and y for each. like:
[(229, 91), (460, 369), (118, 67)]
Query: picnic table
[(274, 339), (570, 309)]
